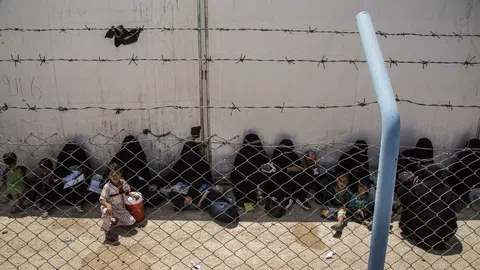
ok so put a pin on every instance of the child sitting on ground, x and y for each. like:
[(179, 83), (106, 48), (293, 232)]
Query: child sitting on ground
[(338, 196), (14, 175), (113, 202), (361, 203)]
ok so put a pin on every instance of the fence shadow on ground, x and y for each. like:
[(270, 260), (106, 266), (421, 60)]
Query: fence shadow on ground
[(304, 229)]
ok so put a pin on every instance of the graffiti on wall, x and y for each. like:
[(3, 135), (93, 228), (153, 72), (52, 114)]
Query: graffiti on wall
[(21, 88)]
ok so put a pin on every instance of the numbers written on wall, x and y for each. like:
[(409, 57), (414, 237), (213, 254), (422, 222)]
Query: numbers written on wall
[(17, 86)]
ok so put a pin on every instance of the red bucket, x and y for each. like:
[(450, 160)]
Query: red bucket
[(135, 207)]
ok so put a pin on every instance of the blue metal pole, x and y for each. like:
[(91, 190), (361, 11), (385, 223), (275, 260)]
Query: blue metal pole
[(389, 145)]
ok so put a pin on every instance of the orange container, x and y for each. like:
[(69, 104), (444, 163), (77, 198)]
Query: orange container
[(135, 207)]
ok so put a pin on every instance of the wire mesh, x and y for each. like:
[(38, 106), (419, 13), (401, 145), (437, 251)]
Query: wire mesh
[(254, 204)]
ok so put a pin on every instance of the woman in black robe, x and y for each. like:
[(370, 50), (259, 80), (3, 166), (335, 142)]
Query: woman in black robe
[(71, 161), (466, 170), (416, 159), (429, 208), (289, 179), (133, 161), (355, 162), (191, 169), (247, 175), (51, 189)]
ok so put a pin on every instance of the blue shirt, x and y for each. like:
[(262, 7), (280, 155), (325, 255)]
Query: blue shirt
[(360, 202)]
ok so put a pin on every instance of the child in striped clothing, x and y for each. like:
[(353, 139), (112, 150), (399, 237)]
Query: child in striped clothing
[(112, 200)]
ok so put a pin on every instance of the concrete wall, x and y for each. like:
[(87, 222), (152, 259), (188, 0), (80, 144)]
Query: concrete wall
[(251, 83), (98, 84)]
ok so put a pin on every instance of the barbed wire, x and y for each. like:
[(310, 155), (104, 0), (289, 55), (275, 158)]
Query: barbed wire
[(233, 108), (87, 28), (134, 59), (310, 30), (468, 62)]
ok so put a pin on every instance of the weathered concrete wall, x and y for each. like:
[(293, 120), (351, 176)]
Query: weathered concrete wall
[(118, 84)]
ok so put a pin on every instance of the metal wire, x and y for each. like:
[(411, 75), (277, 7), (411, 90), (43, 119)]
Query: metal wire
[(70, 235), (468, 62), (309, 30), (67, 238), (233, 108)]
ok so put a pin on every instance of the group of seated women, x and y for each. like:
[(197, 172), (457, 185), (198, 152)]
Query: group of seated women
[(430, 195), (65, 183)]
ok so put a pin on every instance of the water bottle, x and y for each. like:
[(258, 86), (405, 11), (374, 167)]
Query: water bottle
[(475, 199), (260, 196)]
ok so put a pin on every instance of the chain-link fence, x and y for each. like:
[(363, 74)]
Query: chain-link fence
[(230, 204)]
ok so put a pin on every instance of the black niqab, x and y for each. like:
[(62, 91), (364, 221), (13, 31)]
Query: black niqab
[(283, 156), (423, 151), (247, 175), (72, 155), (133, 162), (191, 168), (416, 159)]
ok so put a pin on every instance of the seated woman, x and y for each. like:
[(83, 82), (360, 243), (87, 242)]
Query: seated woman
[(276, 200), (51, 189), (191, 169), (316, 175), (133, 161), (74, 171), (429, 208), (289, 177), (355, 162), (416, 159), (466, 170), (246, 176)]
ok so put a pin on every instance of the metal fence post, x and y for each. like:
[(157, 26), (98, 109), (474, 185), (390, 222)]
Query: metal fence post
[(390, 141)]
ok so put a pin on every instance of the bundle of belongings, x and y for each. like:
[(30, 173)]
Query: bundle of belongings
[(184, 197), (122, 35)]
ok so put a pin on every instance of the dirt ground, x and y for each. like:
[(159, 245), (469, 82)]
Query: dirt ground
[(170, 240)]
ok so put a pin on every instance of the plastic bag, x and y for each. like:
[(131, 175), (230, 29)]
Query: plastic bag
[(475, 199)]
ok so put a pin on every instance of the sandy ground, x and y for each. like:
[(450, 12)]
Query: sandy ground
[(172, 240)]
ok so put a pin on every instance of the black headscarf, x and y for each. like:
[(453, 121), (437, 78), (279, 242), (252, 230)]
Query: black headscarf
[(72, 155), (423, 151), (418, 158), (355, 162), (191, 168), (133, 162), (251, 156), (466, 170), (246, 176), (283, 156)]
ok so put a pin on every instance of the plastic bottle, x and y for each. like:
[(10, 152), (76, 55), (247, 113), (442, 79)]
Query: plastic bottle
[(260, 196)]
